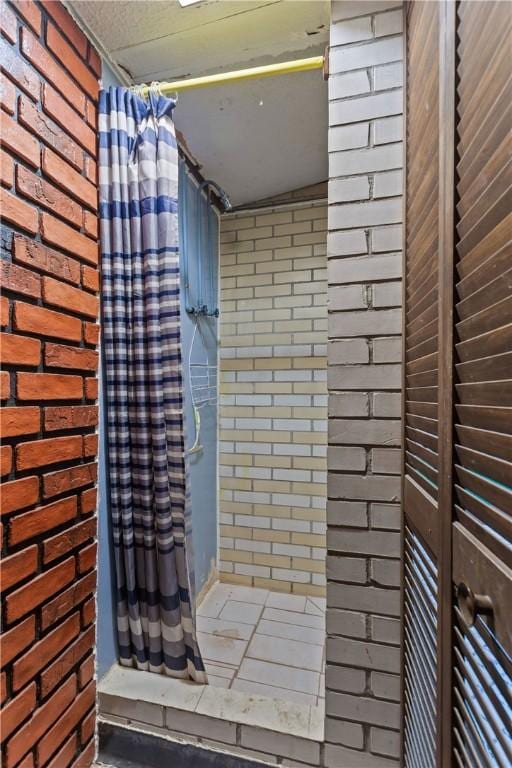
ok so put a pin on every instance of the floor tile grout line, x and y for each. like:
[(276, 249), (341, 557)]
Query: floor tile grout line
[(235, 676)]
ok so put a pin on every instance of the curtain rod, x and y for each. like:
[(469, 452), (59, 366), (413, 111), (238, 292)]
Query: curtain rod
[(284, 68)]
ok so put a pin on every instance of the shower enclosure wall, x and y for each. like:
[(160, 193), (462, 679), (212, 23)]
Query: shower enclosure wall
[(273, 438)]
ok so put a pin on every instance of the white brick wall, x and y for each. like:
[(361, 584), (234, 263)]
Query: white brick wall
[(364, 362), (273, 410)]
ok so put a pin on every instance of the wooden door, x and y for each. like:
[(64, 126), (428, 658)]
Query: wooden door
[(482, 432), (457, 594)]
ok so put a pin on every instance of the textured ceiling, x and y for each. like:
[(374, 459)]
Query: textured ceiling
[(256, 138)]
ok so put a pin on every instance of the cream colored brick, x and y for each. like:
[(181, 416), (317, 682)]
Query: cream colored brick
[(272, 510), (312, 388), (270, 290), (253, 303), (237, 365), (315, 438), (276, 561), (301, 462), (291, 229), (236, 556), (229, 223), (312, 514), (306, 564), (236, 578), (272, 339), (236, 270), (287, 574), (297, 276), (274, 242), (273, 388), (237, 507), (268, 219), (262, 436), (273, 266), (252, 257), (310, 362), (235, 459), (316, 337), (316, 313), (256, 328), (272, 314), (295, 301), (314, 412), (277, 486), (229, 329), (281, 537), (275, 412), (252, 570), (311, 212), (295, 252), (237, 247), (237, 293), (255, 280), (237, 411), (235, 531), (313, 489), (235, 484), (228, 259), (235, 434), (276, 586), (236, 387), (314, 237), (272, 364), (282, 462), (296, 325), (254, 233), (308, 539), (308, 589), (235, 317)]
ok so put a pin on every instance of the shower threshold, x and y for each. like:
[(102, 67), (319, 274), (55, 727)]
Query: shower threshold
[(264, 655)]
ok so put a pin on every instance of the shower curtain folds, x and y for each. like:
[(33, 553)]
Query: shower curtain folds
[(149, 503)]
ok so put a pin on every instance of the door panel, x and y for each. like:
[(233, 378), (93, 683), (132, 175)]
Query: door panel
[(457, 443), (482, 528)]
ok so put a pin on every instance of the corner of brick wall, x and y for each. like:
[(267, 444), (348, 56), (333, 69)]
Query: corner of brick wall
[(364, 379), (49, 316)]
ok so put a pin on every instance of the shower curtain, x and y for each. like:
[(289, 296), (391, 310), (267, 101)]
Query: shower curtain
[(138, 183)]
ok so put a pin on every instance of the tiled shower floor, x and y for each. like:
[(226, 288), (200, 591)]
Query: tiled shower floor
[(264, 643)]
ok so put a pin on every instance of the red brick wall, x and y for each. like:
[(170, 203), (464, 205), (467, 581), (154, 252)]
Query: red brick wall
[(49, 313)]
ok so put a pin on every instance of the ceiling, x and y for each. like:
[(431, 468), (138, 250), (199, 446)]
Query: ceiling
[(256, 138)]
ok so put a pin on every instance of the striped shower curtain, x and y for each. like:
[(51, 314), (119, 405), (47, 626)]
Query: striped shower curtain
[(138, 179)]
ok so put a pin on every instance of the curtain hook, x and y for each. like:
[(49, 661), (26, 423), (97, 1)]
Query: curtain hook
[(138, 89), (156, 88)]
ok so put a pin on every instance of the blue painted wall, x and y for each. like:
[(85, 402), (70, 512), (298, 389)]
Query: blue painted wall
[(106, 638), (203, 465)]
